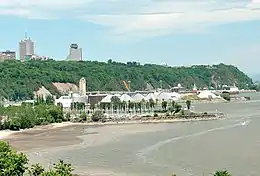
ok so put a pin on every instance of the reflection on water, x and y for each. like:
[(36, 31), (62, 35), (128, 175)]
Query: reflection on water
[(183, 148)]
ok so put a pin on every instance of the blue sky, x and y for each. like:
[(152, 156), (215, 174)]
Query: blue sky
[(176, 32)]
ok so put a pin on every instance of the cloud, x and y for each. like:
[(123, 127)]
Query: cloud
[(40, 9), (140, 18), (162, 17)]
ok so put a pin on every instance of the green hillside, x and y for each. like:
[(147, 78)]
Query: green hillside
[(19, 80)]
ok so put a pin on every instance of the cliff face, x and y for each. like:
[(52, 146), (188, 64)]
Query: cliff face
[(65, 88), (20, 80)]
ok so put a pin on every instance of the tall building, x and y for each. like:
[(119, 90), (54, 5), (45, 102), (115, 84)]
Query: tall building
[(7, 55), (75, 53), (83, 86), (26, 48)]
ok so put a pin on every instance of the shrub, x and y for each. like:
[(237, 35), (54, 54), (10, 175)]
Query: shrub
[(15, 124), (222, 173), (97, 116), (83, 116), (226, 96), (155, 115)]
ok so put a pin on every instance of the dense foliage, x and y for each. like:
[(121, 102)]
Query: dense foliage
[(28, 116), (19, 80), (13, 163)]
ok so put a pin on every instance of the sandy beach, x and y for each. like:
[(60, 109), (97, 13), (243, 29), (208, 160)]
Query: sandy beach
[(7, 133)]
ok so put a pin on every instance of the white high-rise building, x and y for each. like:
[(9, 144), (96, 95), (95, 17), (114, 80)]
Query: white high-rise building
[(26, 48), (75, 53)]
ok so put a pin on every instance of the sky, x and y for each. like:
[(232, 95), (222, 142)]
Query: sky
[(175, 32)]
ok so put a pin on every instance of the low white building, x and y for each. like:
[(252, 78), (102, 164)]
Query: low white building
[(66, 101)]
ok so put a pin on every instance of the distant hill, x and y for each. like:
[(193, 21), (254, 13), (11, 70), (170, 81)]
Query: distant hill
[(19, 80)]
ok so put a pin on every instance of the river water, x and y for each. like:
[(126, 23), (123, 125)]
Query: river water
[(192, 148)]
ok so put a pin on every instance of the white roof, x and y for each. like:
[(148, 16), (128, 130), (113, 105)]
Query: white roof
[(65, 101), (117, 95), (206, 94), (126, 98), (107, 99), (138, 97), (169, 96), (164, 96), (151, 96), (175, 94)]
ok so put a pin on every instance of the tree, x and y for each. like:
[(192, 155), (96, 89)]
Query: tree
[(97, 116), (164, 105), (173, 103), (177, 108), (226, 96), (115, 100), (36, 170), (20, 80), (56, 114), (63, 169), (222, 173), (49, 100), (83, 116), (171, 109), (188, 104), (152, 103), (11, 162)]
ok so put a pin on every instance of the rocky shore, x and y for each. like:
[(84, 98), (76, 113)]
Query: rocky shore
[(158, 118)]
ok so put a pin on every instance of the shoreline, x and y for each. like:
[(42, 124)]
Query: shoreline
[(5, 134)]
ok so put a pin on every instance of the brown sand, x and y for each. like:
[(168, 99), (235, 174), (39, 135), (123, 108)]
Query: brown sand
[(69, 136)]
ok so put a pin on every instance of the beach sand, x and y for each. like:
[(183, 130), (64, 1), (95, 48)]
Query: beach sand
[(68, 133), (42, 143)]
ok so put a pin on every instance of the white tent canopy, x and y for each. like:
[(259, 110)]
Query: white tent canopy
[(151, 96), (207, 94), (175, 95), (107, 99), (138, 97), (126, 98), (169, 96), (164, 96)]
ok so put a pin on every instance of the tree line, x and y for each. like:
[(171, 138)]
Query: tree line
[(27, 116), (20, 79)]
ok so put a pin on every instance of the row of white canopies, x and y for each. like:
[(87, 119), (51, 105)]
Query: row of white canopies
[(167, 96)]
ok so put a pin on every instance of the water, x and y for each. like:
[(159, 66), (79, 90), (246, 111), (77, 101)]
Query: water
[(186, 149)]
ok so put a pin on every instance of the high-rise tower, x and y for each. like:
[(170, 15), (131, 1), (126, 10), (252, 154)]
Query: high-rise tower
[(26, 48), (75, 53)]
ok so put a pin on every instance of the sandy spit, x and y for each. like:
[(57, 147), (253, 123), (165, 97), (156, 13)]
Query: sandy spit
[(6, 133)]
